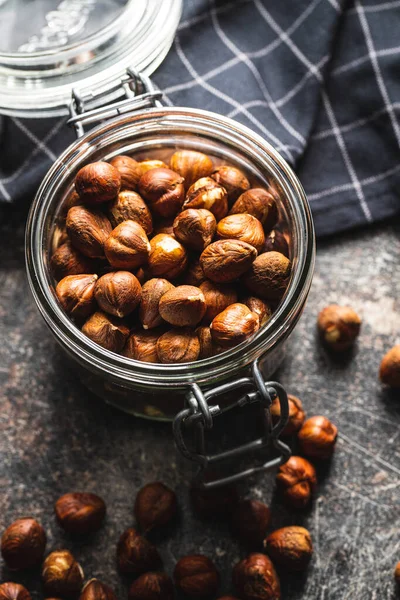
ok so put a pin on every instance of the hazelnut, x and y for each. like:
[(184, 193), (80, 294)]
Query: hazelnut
[(149, 164), (195, 274), (14, 591), (268, 276), (129, 206), (242, 227), (141, 276), (178, 346), (296, 414), (72, 200), (76, 294), (195, 228), (259, 203), (182, 306), (260, 307), (250, 520), (23, 544), (88, 230), (59, 237), (168, 258), (155, 506), (389, 371), (127, 246), (196, 576), (206, 193), (234, 325), (142, 345), (339, 326), (206, 343), (62, 576), (317, 437), (217, 298), (214, 503), (165, 226), (80, 513), (191, 165), (136, 555), (226, 260), (66, 260), (95, 590), (297, 481), (129, 171), (255, 578), (152, 292), (98, 182), (233, 180), (118, 293), (275, 241), (290, 547), (152, 586), (164, 191), (107, 331), (397, 573)]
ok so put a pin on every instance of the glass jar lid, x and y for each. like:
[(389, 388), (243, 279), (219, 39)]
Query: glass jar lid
[(48, 49)]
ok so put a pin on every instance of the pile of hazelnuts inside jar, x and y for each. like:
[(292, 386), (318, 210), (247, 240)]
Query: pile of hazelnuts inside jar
[(169, 263)]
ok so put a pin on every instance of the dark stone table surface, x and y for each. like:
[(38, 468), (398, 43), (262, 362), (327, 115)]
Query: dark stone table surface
[(56, 437)]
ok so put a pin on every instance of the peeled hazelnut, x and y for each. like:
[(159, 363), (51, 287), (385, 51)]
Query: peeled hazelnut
[(226, 260), (118, 293), (62, 576), (195, 228), (142, 345), (152, 292), (23, 544), (168, 258), (127, 246), (191, 165), (149, 164), (80, 513), (14, 591), (255, 578), (76, 294), (183, 306), (260, 307), (297, 481), (129, 171), (214, 503), (397, 573), (389, 371), (250, 520), (259, 203), (155, 506), (234, 325), (275, 241), (290, 547), (97, 183), (95, 590), (206, 343), (107, 331), (296, 414), (88, 230), (268, 276), (152, 586), (206, 193), (233, 180), (339, 326), (217, 298), (242, 227), (196, 576), (195, 274), (317, 437), (136, 555), (164, 191), (66, 260), (129, 206), (178, 346)]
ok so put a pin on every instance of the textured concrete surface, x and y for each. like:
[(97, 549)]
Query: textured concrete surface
[(55, 437)]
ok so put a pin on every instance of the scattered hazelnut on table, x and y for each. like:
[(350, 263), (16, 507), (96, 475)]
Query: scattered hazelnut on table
[(250, 520), (98, 182), (196, 576), (290, 547), (192, 165), (178, 345), (136, 555), (142, 345), (107, 331), (129, 206), (260, 204), (80, 513), (317, 437), (164, 191), (233, 180), (13, 591), (297, 481), (260, 307), (152, 292), (268, 276), (224, 261), (129, 171), (214, 503), (195, 228), (275, 241), (23, 544), (66, 260), (168, 258), (234, 325), (242, 227), (155, 506), (152, 586), (389, 372), (96, 590), (118, 293), (217, 298), (88, 229), (127, 246), (338, 326), (255, 578), (206, 193), (62, 575), (296, 414), (183, 306), (76, 294)]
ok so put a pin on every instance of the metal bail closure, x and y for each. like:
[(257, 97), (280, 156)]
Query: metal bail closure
[(199, 415)]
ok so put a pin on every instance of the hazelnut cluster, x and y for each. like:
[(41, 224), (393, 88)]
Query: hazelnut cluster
[(169, 263)]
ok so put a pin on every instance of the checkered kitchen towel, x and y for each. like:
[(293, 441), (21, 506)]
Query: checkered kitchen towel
[(319, 79)]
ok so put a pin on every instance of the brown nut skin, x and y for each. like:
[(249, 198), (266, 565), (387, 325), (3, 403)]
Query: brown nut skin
[(66, 260), (397, 573), (96, 590), (136, 555), (215, 503), (23, 544), (149, 164), (62, 575), (297, 481), (226, 260), (152, 586), (317, 437), (260, 307), (206, 343), (142, 345), (217, 297), (107, 331), (164, 191), (183, 306), (195, 274), (255, 578), (275, 241), (192, 165), (296, 414), (98, 182), (389, 371), (129, 171), (234, 325), (165, 226), (168, 258), (196, 576), (290, 547), (259, 203), (76, 295), (118, 293), (250, 520), (338, 326), (88, 230), (233, 180), (242, 227), (129, 206), (80, 513), (268, 276), (178, 346), (155, 506), (14, 591), (127, 246), (152, 292), (206, 193), (59, 237), (195, 228)]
